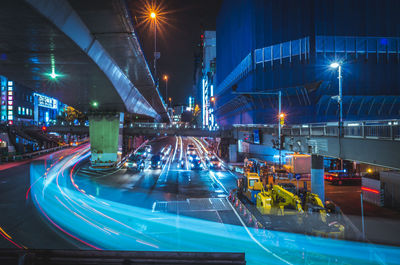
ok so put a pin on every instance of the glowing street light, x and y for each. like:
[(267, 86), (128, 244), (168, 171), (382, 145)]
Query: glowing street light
[(336, 65), (165, 77), (212, 99), (153, 16)]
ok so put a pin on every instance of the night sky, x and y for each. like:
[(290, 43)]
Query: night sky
[(177, 40)]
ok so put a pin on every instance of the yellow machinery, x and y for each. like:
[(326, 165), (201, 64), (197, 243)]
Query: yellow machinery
[(278, 201), (250, 186), (313, 204)]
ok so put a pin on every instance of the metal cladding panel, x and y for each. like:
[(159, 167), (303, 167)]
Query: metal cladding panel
[(234, 36), (294, 42), (69, 22)]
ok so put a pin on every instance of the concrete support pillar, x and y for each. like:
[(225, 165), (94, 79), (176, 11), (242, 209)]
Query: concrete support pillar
[(317, 176), (233, 153), (105, 140)]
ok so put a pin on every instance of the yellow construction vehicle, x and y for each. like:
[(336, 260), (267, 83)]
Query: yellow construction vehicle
[(284, 200), (250, 186), (278, 201), (320, 219)]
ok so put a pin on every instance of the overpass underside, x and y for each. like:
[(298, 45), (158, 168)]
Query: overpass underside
[(84, 53)]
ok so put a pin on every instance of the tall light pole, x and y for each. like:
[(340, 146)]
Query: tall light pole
[(340, 101), (165, 77), (153, 16)]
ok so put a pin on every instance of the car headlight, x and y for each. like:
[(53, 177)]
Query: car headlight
[(126, 164), (192, 164), (134, 164)]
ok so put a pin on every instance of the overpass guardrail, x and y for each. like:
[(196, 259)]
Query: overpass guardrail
[(382, 130)]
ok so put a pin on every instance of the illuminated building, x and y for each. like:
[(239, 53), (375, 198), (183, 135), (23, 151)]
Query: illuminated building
[(288, 46)]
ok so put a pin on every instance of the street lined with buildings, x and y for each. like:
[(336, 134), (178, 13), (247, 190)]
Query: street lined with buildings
[(246, 132)]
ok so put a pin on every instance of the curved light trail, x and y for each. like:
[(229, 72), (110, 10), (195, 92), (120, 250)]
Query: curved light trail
[(104, 224)]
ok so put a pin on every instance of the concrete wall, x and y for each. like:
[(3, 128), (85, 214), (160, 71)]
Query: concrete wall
[(104, 136)]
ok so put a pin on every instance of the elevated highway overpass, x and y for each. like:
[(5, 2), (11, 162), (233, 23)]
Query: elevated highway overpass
[(86, 54), (371, 142)]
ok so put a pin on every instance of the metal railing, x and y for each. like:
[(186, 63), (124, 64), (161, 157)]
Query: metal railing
[(384, 130)]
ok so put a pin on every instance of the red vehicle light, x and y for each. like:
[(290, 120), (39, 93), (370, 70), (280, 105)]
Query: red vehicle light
[(370, 190)]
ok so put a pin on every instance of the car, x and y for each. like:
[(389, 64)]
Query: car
[(134, 163), (167, 150), (148, 148), (156, 162), (342, 177), (213, 162), (191, 150), (196, 164), (181, 164)]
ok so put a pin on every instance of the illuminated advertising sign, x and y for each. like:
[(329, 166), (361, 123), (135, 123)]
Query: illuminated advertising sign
[(10, 115), (46, 102)]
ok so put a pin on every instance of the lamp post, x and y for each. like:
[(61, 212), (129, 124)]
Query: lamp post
[(340, 101), (153, 16), (166, 86)]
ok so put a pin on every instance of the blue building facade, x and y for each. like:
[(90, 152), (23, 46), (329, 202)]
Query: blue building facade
[(22, 105), (288, 45)]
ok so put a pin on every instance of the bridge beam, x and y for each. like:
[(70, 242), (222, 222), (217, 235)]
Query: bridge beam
[(105, 139)]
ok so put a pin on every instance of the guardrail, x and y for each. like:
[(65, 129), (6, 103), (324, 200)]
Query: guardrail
[(37, 153), (383, 130), (81, 257)]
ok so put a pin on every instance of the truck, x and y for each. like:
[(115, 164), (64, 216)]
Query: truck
[(285, 208), (298, 164)]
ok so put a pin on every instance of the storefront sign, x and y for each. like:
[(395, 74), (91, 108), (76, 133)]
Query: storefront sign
[(47, 102)]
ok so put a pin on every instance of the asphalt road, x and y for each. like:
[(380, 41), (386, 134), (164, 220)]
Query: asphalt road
[(171, 208), (22, 226)]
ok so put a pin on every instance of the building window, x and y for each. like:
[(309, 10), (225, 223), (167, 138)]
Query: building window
[(30, 111), (23, 111), (10, 107), (27, 111), (19, 110)]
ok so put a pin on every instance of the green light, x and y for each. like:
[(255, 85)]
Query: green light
[(95, 104), (53, 73)]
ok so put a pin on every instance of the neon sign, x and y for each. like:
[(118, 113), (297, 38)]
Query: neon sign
[(46, 102)]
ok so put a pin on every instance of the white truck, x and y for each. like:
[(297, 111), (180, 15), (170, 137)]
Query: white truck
[(298, 164)]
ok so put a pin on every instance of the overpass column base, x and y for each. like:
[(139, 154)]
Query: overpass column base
[(105, 139), (233, 153), (317, 176)]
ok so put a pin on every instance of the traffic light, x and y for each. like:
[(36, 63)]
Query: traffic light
[(282, 118), (44, 128)]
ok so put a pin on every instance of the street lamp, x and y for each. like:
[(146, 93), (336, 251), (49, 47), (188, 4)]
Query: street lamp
[(153, 16), (336, 65), (165, 77)]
